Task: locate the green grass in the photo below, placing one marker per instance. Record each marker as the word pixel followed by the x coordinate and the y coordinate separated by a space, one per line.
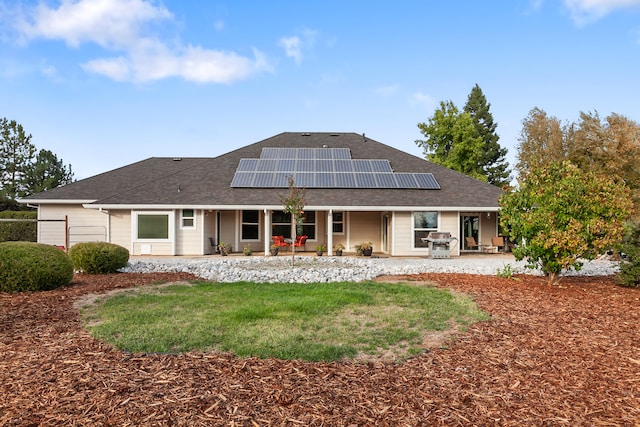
pixel 288 321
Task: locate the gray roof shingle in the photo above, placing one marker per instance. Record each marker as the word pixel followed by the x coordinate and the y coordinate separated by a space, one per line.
pixel 206 181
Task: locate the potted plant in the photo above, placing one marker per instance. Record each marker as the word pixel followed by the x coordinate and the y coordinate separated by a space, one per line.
pixel 247 250
pixel 274 250
pixel 366 248
pixel 338 248
pixel 225 248
pixel 320 249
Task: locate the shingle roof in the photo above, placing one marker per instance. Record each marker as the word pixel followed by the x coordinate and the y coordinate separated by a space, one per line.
pixel 206 181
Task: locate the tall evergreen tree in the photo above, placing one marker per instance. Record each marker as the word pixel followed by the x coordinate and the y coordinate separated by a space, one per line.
pixel 16 153
pixel 45 173
pixel 493 162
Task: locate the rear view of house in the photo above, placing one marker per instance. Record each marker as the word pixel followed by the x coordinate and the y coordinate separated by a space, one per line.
pixel 357 190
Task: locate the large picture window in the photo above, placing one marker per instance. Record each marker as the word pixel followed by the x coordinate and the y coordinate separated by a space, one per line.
pixel 250 225
pixel 153 226
pixel 423 223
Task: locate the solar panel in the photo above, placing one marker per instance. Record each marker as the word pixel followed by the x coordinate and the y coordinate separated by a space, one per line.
pixel 263 179
pixel 305 179
pixel 426 181
pixel 345 180
pixel 381 165
pixel 386 180
pixel 242 179
pixel 247 165
pixel 325 180
pixel 343 165
pixel 324 168
pixel 405 180
pixel 361 165
pixel 286 165
pixel 324 165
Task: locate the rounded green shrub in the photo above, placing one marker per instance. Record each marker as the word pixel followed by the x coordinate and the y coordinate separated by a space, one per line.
pixel 98 257
pixel 28 266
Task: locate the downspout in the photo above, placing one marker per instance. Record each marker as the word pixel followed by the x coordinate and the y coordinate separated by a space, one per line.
pixel 108 236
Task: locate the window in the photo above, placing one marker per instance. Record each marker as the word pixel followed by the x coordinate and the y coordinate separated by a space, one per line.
pixel 309 225
pixel 152 226
pixel 423 223
pixel 250 225
pixel 188 219
pixel 338 222
pixel 281 224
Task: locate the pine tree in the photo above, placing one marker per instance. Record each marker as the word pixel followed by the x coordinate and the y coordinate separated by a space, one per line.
pixel 16 153
pixel 493 160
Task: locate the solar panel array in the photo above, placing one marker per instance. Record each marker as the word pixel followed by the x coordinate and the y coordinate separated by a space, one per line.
pixel 324 168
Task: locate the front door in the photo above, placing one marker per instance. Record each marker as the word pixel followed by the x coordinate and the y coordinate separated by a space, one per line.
pixel 470 228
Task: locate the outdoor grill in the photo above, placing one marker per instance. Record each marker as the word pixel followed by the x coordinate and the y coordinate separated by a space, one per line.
pixel 439 244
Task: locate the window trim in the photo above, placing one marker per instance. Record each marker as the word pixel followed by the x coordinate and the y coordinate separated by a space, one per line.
pixel 334 222
pixel 171 225
pixel 183 217
pixel 258 224
pixel 414 229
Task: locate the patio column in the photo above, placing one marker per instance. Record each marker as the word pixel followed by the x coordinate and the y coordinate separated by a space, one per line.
pixel 267 232
pixel 330 232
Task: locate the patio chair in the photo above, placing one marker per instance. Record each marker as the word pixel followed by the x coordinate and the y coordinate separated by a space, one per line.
pixel 279 242
pixel 498 242
pixel 471 243
pixel 300 241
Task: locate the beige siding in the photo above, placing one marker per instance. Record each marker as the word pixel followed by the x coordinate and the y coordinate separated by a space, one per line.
pixel 120 227
pixel 85 225
pixel 228 229
pixel 188 240
pixel 402 238
pixel 365 227
pixel 153 248
pixel 488 228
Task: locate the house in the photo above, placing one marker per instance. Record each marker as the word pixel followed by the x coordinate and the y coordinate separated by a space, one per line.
pixel 357 190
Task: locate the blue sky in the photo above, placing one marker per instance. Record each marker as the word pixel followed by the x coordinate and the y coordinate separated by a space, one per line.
pixel 105 83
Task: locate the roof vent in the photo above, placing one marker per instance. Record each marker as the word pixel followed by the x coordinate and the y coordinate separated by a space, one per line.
pixel 325 146
pixel 177 159
pixel 306 134
pixel 335 134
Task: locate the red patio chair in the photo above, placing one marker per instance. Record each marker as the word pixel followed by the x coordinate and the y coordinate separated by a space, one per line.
pixel 300 241
pixel 279 242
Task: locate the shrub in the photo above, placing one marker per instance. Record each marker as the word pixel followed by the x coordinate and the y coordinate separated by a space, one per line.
pixel 20 230
pixel 629 274
pixel 98 257
pixel 28 266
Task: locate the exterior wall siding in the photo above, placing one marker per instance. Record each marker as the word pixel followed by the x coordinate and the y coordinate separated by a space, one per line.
pixel 85 225
pixel 365 227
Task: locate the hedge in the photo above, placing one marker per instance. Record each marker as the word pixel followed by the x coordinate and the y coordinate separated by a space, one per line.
pixel 98 257
pixel 18 231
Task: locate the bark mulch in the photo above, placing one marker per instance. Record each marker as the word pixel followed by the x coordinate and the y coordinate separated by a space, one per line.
pixel 549 356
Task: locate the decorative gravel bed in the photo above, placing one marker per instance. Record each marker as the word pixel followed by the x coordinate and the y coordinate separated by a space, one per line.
pixel 311 269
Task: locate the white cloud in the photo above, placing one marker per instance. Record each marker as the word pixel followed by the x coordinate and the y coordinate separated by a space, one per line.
pixel 586 11
pixel 295 45
pixel 292 47
pixel 123 26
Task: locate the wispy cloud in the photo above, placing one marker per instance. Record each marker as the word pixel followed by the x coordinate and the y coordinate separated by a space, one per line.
pixel 125 28
pixel 419 98
pixel 294 46
pixel 387 90
pixel 587 11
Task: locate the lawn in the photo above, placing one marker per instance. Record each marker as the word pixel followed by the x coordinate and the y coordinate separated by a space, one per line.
pixel 313 322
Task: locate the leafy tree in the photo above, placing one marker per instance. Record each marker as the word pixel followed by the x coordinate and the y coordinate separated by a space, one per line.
pixel 629 249
pixel 293 204
pixel 16 153
pixel 495 166
pixel 45 173
pixel 453 141
pixel 610 146
pixel 561 214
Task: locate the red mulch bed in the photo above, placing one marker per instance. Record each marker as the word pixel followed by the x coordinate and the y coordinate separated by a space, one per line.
pixel 549 356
